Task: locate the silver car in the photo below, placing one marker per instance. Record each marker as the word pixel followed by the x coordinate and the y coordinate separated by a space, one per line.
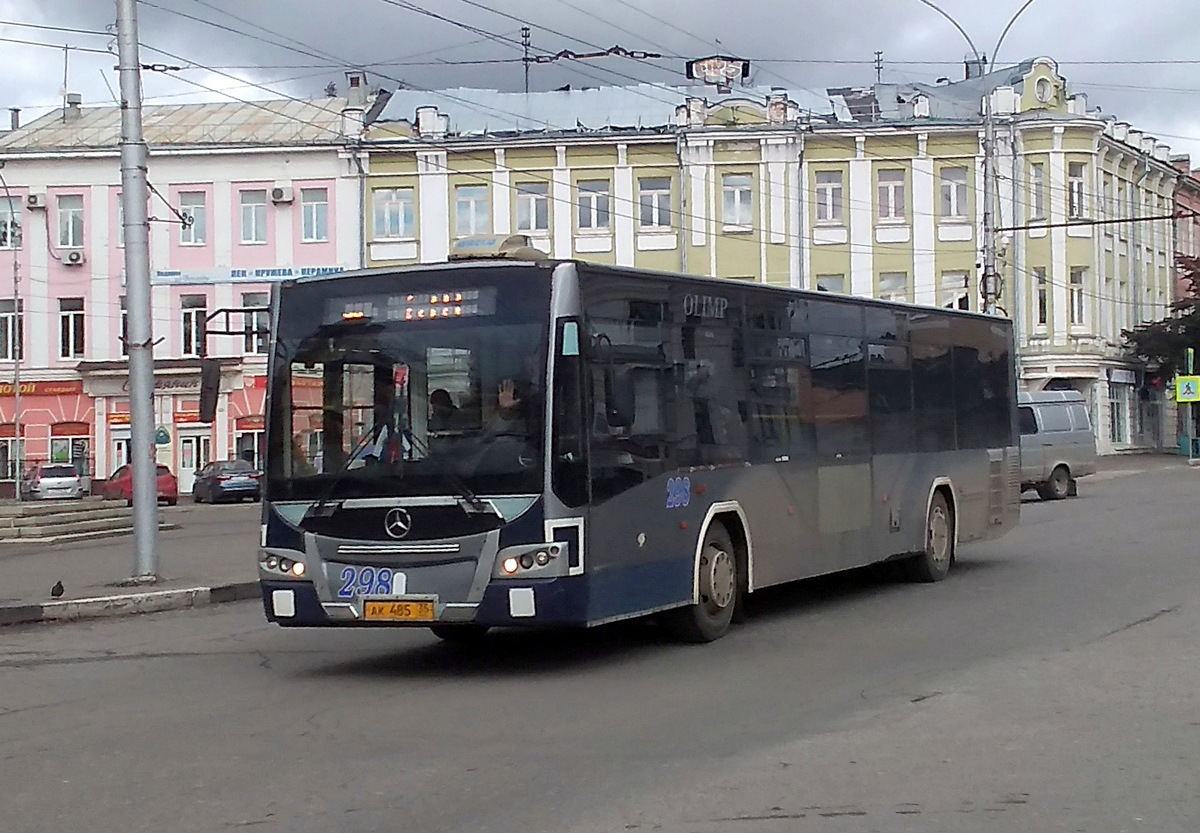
pixel 53 480
pixel 1057 443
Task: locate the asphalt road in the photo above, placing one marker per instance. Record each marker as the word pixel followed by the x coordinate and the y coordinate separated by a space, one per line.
pixel 1049 684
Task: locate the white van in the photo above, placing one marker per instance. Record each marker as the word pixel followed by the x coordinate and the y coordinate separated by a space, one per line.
pixel 1057 443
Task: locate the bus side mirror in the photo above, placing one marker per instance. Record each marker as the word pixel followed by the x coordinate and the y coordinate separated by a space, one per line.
pixel 210 388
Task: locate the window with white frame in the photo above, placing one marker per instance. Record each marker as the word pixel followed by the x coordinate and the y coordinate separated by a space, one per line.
pixel 394 215
pixel 1106 201
pixel 954 193
pixel 70 221
pixel 314 214
pixel 654 203
pixel 829 196
pixel 593 205
pixel 10 224
pixel 533 206
pixel 891 195
pixel 255 323
pixel 1076 172
pixel 192 206
pixel 1078 279
pixel 893 286
pixel 956 290
pixel 8 458
pixel 1039 279
pixel 1037 191
pixel 254 216
pixel 12 329
pixel 70 328
pixel 1122 209
pixel 831 283
pixel 120 222
pixel 471 214
pixel 124 327
pixel 194 309
pixel 737 201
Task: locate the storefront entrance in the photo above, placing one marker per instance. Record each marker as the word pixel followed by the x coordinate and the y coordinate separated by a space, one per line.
pixel 195 452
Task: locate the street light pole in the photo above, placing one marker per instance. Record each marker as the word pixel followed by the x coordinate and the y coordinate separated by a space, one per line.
pixel 16 341
pixel 137 280
pixel 991 288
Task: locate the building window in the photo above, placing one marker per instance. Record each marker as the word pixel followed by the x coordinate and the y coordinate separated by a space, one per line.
pixel 829 196
pixel 192 207
pixel 533 206
pixel 956 290
pixel 12 329
pixel 1039 277
pixel 8 458
pixel 124 328
pixel 10 224
pixel 1078 274
pixel 1118 406
pixel 120 222
pixel 891 196
pixel 1037 190
pixel 1075 191
pixel 593 205
pixel 314 213
pixel 255 323
pixel 831 283
pixel 394 217
pixel 471 214
pixel 254 216
pixel 737 202
pixel 654 203
pixel 1106 202
pixel 1122 209
pixel 954 193
pixel 70 327
pixel 70 221
pixel 195 310
pixel 893 286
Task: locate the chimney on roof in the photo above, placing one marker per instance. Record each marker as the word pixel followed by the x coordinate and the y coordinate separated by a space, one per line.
pixel 73 111
pixel 1182 163
pixel 14 118
pixel 974 66
pixel 356 88
pixel 431 124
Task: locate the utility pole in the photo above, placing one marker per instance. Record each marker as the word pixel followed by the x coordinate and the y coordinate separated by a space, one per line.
pixel 16 337
pixel 878 67
pixel 525 60
pixel 137 289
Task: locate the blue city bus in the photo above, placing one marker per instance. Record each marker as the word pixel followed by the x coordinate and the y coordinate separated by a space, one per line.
pixel 506 439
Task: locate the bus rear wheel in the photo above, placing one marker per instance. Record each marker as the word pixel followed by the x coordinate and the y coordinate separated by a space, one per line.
pixel 709 619
pixel 934 563
pixel 460 634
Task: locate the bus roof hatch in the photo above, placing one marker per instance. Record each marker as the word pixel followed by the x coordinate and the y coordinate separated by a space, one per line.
pixel 491 246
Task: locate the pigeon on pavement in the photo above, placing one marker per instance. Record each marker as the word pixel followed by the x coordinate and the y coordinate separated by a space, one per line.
pixel 57 590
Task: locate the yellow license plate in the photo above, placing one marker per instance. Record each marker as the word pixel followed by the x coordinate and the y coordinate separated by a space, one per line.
pixel 392 611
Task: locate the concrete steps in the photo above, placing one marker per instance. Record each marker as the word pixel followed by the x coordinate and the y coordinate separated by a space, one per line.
pixel 68 520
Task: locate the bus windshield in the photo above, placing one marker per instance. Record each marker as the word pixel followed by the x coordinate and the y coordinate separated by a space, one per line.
pixel 434 390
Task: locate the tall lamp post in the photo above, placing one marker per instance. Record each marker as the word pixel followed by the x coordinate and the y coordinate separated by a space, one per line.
pixel 16 342
pixel 990 278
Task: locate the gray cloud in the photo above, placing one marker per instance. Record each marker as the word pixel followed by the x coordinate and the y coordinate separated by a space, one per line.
pixel 1161 99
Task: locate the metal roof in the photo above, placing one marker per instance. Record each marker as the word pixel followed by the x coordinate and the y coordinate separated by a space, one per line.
pixel 644 106
pixel 273 122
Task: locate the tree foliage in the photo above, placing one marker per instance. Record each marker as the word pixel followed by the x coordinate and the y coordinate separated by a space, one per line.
pixel 1163 344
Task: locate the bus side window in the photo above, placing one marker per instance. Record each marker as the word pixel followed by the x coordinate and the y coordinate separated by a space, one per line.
pixel 1027 421
pixel 889 380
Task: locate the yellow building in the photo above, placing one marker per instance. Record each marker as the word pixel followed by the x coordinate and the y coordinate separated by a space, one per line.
pixel 871 191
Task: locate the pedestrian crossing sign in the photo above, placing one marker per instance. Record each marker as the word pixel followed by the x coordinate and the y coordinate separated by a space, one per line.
pixel 1187 389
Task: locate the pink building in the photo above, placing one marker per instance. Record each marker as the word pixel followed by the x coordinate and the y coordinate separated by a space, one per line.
pixel 270 190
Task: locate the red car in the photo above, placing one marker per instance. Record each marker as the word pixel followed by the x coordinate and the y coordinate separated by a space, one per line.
pixel 120 486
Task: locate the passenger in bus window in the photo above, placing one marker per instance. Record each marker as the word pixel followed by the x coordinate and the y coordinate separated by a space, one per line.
pixel 443 415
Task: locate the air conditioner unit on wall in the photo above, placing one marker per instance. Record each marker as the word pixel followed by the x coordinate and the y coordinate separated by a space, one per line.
pixel 281 194
pixel 74 258
pixel 35 200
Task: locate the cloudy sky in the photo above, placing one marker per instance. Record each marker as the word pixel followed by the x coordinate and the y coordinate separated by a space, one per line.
pixel 1137 61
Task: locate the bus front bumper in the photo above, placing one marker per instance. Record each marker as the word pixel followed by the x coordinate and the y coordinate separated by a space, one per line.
pixel 538 602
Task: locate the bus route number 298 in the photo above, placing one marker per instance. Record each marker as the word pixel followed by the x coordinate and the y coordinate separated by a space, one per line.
pixel 679 492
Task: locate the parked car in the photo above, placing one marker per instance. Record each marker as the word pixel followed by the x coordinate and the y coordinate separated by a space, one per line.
pixel 52 480
pixel 120 486
pixel 227 480
pixel 1057 443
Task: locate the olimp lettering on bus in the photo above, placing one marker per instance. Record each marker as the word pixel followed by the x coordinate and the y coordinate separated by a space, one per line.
pixel 705 306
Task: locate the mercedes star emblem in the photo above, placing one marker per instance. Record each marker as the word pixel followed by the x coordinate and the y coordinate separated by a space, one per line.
pixel 397 522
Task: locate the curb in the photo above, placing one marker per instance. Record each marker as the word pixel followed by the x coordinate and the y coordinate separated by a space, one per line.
pixel 93 535
pixel 126 604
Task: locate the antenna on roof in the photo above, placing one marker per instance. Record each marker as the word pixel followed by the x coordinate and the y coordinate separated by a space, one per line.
pixel 878 66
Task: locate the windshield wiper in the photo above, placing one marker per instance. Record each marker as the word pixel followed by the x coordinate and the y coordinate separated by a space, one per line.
pixel 345 467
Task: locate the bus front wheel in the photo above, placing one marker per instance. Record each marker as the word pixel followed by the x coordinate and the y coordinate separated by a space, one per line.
pixel 709 618
pixel 934 562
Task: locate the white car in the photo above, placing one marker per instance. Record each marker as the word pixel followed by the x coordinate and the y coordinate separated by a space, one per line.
pixel 52 480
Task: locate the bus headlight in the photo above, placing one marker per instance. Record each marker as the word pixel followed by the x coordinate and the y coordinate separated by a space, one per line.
pixel 298 569
pixel 510 565
pixel 543 558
